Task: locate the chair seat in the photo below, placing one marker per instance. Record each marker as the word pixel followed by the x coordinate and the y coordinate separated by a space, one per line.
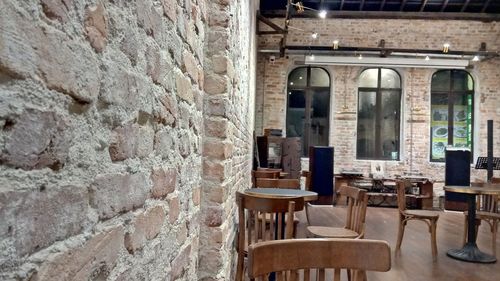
pixel 422 214
pixel 486 215
pixel 331 232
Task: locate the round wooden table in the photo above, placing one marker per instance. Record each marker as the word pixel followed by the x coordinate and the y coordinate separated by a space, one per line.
pixel 470 252
pixel 283 192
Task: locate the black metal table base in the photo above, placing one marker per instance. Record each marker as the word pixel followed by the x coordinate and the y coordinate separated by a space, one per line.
pixel 471 253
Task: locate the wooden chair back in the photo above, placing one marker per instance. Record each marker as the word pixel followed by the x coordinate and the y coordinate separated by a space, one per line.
pixel 357 202
pixel 401 186
pixel 277 183
pixel 263 219
pixel 265 174
pixel 487 203
pixel 301 258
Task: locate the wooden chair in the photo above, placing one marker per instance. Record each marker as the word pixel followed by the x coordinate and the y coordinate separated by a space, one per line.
pixel 277 183
pixel 318 257
pixel 252 210
pixel 487 210
pixel 266 174
pixel 429 217
pixel 354 228
pixel 307 176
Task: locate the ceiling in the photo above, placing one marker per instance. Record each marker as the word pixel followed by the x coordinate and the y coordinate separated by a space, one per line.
pixel 486 10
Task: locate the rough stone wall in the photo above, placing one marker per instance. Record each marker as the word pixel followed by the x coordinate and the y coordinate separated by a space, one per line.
pixel 227 142
pixel 101 126
pixel 415 149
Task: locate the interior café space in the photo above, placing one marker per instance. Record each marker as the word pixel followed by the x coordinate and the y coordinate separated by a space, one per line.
pixel 219 140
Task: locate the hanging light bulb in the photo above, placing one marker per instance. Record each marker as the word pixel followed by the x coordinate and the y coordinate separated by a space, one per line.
pixel 322 14
pixel 335 44
pixel 446 47
pixel 314 35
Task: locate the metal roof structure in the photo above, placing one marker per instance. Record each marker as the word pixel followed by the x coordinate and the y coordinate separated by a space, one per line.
pixel 484 10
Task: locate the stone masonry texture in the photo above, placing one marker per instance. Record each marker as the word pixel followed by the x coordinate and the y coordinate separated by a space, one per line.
pixel 271 89
pixel 125 130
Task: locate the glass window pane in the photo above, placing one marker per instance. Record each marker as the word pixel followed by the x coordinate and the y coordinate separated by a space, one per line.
pixel 319 118
pixel 461 81
pixel 319 77
pixel 368 78
pixel 389 127
pixel 441 81
pixel 390 79
pixel 462 121
pixel 295 114
pixel 439 126
pixel 298 77
pixel 366 125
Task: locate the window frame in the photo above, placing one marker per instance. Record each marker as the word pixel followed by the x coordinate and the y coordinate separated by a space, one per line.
pixel 451 94
pixel 378 115
pixel 308 95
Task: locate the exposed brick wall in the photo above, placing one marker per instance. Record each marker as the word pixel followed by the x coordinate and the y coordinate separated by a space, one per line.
pixel 227 141
pixel 106 108
pixel 462 35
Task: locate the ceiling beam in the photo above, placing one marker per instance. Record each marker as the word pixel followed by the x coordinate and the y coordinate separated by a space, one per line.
pixel 445 3
pixel 382 5
pixel 485 6
pixel 403 4
pixel 277 28
pixel 423 6
pixel 484 17
pixel 464 7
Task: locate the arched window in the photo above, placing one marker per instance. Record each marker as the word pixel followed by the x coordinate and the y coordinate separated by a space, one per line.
pixel 379 110
pixel 452 103
pixel 308 106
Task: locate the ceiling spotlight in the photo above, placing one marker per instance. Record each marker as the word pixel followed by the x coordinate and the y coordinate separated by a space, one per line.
pixel 360 56
pixel 335 44
pixel 311 57
pixel 314 35
pixel 475 58
pixel 446 47
pixel 322 14
pixel 427 58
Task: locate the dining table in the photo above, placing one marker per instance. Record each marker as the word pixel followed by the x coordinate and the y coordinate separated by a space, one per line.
pixel 470 252
pixel 283 192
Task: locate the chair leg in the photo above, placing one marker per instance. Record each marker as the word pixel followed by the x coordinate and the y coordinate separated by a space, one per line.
pixel 239 267
pixel 464 237
pixel 401 232
pixel 433 239
pixel 494 237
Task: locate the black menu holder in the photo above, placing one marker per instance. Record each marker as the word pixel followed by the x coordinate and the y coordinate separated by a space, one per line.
pixel 457 172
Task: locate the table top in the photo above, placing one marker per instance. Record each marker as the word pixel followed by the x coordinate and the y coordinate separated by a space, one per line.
pixel 483 188
pixel 283 192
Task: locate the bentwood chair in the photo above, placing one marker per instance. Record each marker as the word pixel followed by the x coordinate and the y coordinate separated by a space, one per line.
pixel 429 217
pixel 266 174
pixel 318 259
pixel 277 183
pixel 357 201
pixel 252 211
pixel 487 211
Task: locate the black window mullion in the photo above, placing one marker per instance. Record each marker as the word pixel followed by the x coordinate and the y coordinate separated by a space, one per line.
pixel 451 103
pixel 378 117
pixel 307 121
